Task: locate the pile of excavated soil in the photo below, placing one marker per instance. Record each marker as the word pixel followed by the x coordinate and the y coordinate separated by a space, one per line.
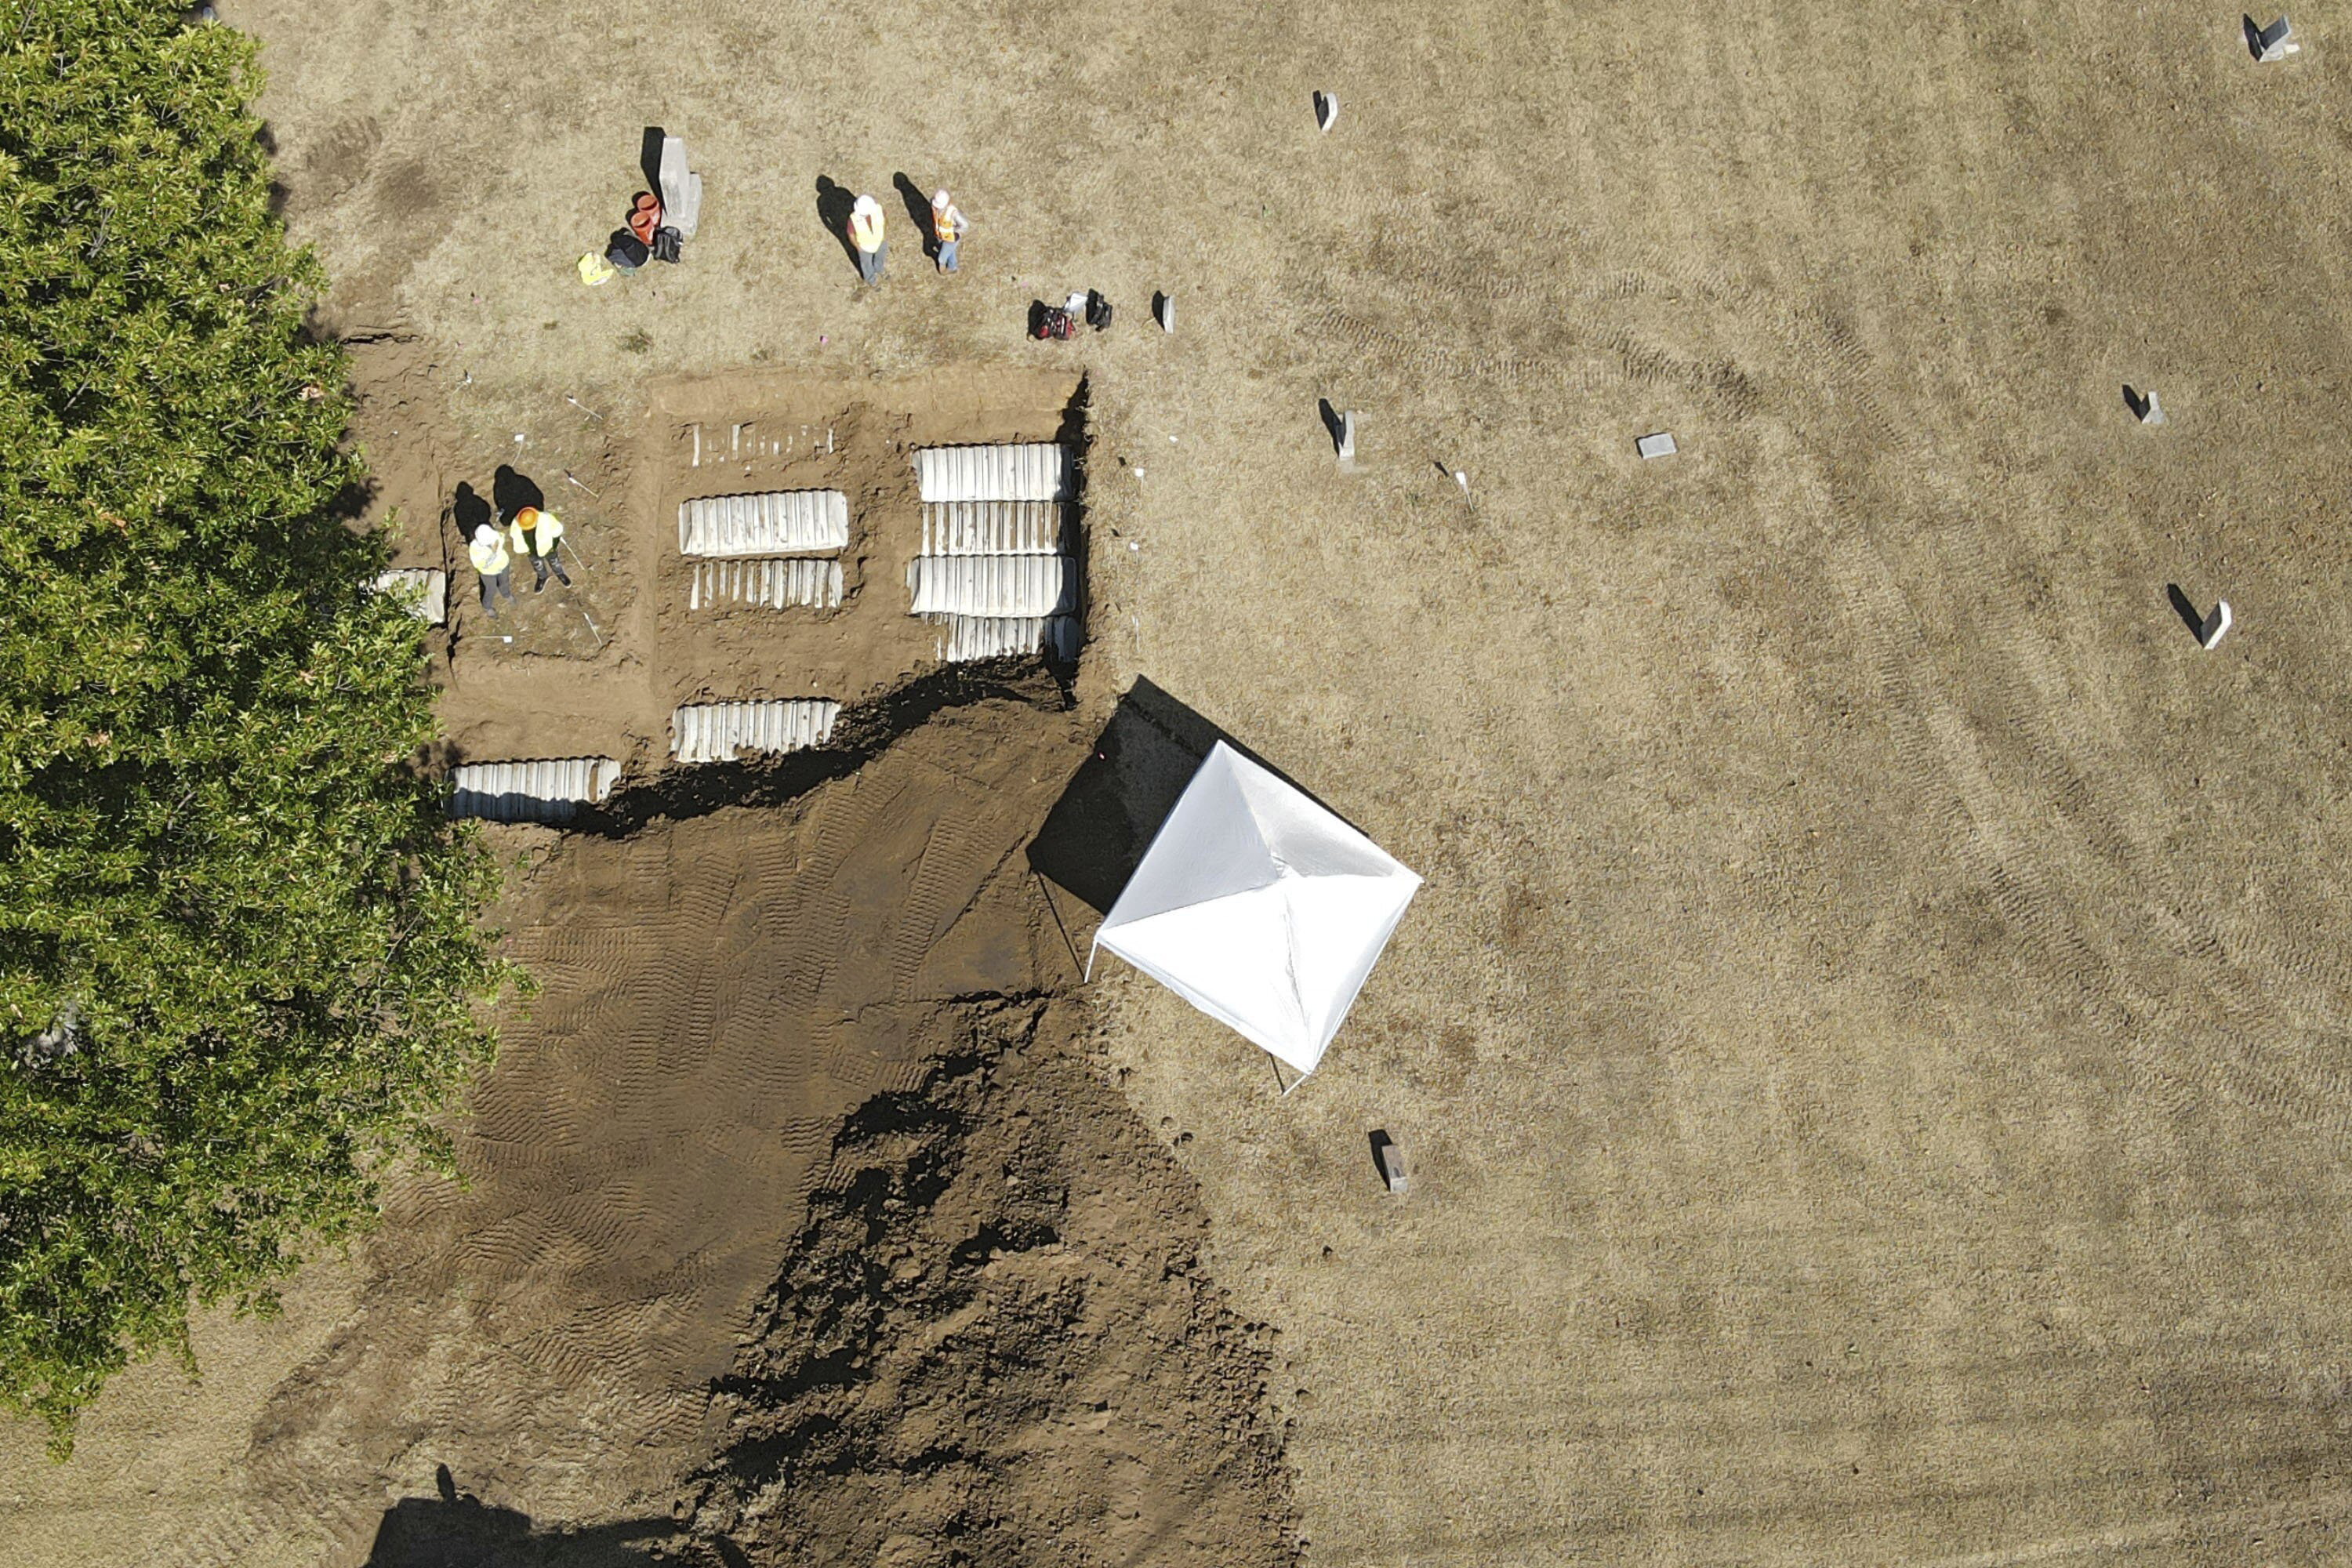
pixel 995 1342
pixel 725 971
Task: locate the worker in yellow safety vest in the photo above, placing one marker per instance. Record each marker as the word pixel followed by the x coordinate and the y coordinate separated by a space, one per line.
pixel 534 533
pixel 947 228
pixel 490 561
pixel 866 234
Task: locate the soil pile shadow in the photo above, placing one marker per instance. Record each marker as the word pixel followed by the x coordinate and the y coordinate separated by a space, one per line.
pixel 994 1342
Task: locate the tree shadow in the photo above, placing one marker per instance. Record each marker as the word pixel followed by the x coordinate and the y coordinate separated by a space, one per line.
pixel 458 1530
pixel 2190 615
pixel 834 205
pixel 919 213
pixel 1114 805
pixel 511 491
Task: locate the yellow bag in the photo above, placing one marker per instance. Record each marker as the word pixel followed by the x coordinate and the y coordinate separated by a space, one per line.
pixel 595 270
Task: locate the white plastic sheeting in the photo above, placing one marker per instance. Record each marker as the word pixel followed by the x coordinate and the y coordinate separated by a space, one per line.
pixel 551 791
pixel 715 731
pixel 1000 637
pixel 1260 908
pixel 993 528
pixel 804 580
pixel 1038 470
pixel 681 189
pixel 776 522
pixel 992 585
pixel 426 590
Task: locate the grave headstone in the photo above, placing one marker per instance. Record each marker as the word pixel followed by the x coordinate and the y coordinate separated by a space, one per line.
pixel 1658 443
pixel 1326 110
pixel 2272 42
pixel 1346 438
pixel 2217 625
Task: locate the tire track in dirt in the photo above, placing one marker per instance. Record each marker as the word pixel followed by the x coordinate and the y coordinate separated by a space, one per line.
pixel 955 867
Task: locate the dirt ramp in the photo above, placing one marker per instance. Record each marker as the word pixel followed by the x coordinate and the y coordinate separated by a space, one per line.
pixel 717 991
pixel 994 1343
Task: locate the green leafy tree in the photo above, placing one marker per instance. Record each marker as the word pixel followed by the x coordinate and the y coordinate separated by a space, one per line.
pixel 241 965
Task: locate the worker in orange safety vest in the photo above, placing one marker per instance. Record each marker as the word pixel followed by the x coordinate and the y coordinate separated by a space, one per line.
pixel 534 533
pixel 866 234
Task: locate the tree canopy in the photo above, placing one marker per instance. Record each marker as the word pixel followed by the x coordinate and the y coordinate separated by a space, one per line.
pixel 241 963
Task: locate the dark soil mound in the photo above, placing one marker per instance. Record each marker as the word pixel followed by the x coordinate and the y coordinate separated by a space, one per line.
pixel 993 1343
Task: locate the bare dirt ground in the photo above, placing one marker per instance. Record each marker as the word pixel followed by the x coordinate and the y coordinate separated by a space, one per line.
pixel 1874 1043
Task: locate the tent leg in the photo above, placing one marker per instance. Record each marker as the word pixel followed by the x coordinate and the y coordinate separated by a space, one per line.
pixel 1272 1061
pixel 1047 893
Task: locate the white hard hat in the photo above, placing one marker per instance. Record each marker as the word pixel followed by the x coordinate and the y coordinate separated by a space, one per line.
pixel 485 534
pixel 867 205
pixel 938 198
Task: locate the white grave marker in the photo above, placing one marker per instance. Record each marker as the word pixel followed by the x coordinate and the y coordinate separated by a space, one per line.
pixel 1167 313
pixel 2216 626
pixel 2271 43
pixel 1347 436
pixel 1656 445
pixel 1327 110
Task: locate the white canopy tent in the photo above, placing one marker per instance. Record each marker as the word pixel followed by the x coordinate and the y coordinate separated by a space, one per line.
pixel 1260 908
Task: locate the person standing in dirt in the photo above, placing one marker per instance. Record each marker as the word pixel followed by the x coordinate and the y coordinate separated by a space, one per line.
pixel 490 562
pixel 948 225
pixel 535 533
pixel 866 234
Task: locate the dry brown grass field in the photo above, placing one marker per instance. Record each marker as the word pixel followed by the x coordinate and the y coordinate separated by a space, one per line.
pixel 1876 1042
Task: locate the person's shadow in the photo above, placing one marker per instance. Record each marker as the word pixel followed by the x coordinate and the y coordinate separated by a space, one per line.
pixel 834 205
pixel 468 511
pixel 511 491
pixel 919 213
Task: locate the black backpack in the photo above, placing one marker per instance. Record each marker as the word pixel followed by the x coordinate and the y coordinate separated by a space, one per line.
pixel 1097 310
pixel 625 251
pixel 667 243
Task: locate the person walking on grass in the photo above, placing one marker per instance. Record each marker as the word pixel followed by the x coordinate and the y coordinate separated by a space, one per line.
pixel 948 225
pixel 866 234
pixel 491 560
pixel 534 533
